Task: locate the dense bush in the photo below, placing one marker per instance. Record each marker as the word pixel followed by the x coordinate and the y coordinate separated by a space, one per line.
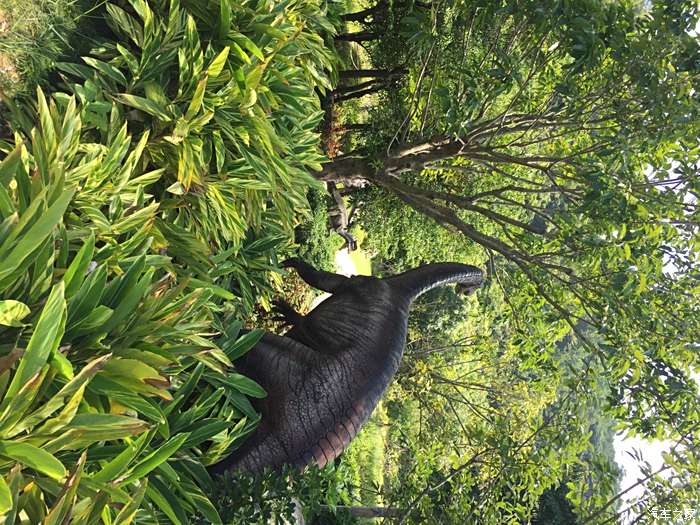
pixel 317 243
pixel 140 208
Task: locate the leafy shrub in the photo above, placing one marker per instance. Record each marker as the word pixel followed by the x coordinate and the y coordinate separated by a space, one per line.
pixel 274 497
pixel 165 177
pixel 226 113
pixel 107 363
pixel 317 243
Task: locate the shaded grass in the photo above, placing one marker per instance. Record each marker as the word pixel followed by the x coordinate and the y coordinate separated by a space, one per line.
pixel 33 33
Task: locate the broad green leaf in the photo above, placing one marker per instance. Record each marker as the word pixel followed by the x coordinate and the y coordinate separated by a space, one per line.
pixel 158 456
pixel 65 416
pixel 35 236
pixel 183 393
pixel 89 295
pixel 9 164
pixel 70 388
pixel 108 70
pixel 197 98
pixel 235 349
pixel 130 368
pixel 164 499
pixel 176 188
pixel 248 44
pixel 48 130
pixel 201 502
pixel 245 385
pixel 64 506
pixel 129 302
pixel 78 268
pixel 216 290
pixel 224 25
pixel 33 457
pixel 5 496
pixel 217 65
pixel 86 429
pixel 206 429
pixel 145 105
pixel 249 99
pixel 62 366
pixel 121 462
pixel 12 312
pixel 45 339
pixel 94 321
pixel 128 512
pixel 14 407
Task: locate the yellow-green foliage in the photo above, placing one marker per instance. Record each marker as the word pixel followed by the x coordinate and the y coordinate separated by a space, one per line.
pixel 130 206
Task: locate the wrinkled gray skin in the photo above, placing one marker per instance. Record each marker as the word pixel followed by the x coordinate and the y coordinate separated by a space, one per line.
pixel 326 375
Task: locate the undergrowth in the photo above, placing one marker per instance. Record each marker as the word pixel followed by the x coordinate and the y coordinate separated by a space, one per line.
pixel 144 196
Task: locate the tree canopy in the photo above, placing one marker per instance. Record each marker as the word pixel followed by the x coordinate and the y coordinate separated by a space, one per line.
pixel 560 138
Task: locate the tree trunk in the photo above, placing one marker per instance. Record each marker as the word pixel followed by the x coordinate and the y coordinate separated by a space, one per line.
pixel 344 90
pixel 367 512
pixel 361 16
pixel 361 36
pixel 359 94
pixel 371 73
pixel 344 128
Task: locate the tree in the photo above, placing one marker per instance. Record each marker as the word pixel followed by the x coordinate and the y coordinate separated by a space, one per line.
pixel 548 170
pixel 556 140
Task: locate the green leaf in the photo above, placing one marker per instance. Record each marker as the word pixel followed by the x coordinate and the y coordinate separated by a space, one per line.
pixel 176 188
pixel 65 416
pixel 197 98
pixel 120 463
pixel 205 429
pixel 217 65
pixel 220 150
pixel 94 321
pixel 78 268
pixel 128 303
pixel 9 164
pixel 64 506
pixel 12 312
pixel 249 99
pixel 201 502
pixel 166 502
pixel 107 69
pixel 145 105
pixel 128 512
pixel 158 456
pixel 35 236
pixel 13 407
pixel 235 349
pixel 86 429
pixel 33 457
pixel 44 341
pixel 5 496
pixel 224 19
pixel 248 44
pixel 245 385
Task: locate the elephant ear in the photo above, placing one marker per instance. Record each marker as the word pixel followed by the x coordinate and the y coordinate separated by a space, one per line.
pixel 277 362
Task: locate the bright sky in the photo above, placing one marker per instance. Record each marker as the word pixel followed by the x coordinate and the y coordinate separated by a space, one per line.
pixel 651 452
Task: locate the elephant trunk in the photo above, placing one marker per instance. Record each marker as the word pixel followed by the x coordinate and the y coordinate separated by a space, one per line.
pixel 413 283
